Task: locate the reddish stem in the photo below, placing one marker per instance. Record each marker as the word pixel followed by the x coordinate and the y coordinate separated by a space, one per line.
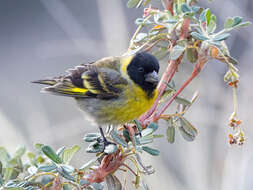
pixel 201 61
pixel 168 4
pixel 167 76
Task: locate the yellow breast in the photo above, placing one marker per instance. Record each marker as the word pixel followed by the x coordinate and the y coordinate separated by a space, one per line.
pixel 132 104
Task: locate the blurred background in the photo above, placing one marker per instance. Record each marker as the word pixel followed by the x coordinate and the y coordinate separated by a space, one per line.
pixel 43 38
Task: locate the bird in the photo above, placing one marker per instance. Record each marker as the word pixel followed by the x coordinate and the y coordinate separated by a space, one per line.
pixel 112 90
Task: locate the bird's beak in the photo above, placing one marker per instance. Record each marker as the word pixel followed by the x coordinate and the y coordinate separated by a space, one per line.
pixel 152 78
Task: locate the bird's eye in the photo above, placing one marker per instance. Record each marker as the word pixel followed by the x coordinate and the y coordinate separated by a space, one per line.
pixel 140 69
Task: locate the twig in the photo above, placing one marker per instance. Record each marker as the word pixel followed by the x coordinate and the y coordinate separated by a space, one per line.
pixel 197 68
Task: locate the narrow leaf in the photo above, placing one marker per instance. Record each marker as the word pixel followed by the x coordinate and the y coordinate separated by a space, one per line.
pixel 88 164
pixel 60 151
pixel 4 156
pixel 118 139
pixel 153 152
pixel 132 3
pixel 176 52
pixel 183 101
pixel 185 8
pixel 237 20
pixel 170 132
pixel 49 152
pixel 153 126
pixel 187 130
pixel 138 125
pixel 192 55
pixel 221 37
pixel 47 168
pixel 19 152
pixel 65 174
pixel 146 132
pixel 94 147
pixel 199 36
pixel 91 137
pixel 68 154
pixel 229 23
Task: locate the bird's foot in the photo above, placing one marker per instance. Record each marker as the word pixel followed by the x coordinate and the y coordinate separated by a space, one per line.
pixel 108 147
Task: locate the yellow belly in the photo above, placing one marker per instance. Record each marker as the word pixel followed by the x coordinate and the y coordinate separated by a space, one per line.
pixel 132 104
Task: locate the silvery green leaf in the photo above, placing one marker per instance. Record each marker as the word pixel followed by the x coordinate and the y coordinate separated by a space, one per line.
pixel 199 36
pixel 65 173
pixel 4 156
pixel 83 182
pixel 153 126
pixel 137 180
pixel 141 21
pixel 60 151
pixel 113 182
pixel 183 101
pixel 176 52
pixel 185 8
pixel 208 17
pixel 192 55
pixel 38 146
pixel 10 184
pixel 126 135
pixel 30 188
pixel 1 180
pixel 221 37
pixel 47 168
pixel 138 125
pixel 157 136
pixel 1 167
pixel 140 36
pixel 22 184
pixel 132 3
pixel 97 186
pixel 110 148
pixel 68 154
pixel 136 141
pixel 237 20
pixel 16 188
pixel 151 151
pixel 146 140
pixel 50 153
pixel 19 152
pixel 16 162
pixel 118 139
pixel 243 24
pixel 170 132
pixel 67 168
pixel 146 132
pixel 203 16
pixel 91 137
pixel 31 156
pixel 87 165
pixel 8 174
pixel 32 170
pixel 229 23
pixel 187 130
pixel 232 60
pixel 146 2
pixel 94 147
pixel 212 24
pixel 161 53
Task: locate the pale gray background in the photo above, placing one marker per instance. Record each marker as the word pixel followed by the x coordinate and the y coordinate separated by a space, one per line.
pixel 40 38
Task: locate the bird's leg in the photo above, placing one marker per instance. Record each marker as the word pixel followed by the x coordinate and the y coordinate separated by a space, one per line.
pixel 103 135
pixel 104 140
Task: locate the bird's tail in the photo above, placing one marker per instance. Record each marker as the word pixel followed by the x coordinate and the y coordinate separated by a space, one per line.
pixel 62 87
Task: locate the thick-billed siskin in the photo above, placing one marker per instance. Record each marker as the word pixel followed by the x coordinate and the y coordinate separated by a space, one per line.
pixel 112 90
